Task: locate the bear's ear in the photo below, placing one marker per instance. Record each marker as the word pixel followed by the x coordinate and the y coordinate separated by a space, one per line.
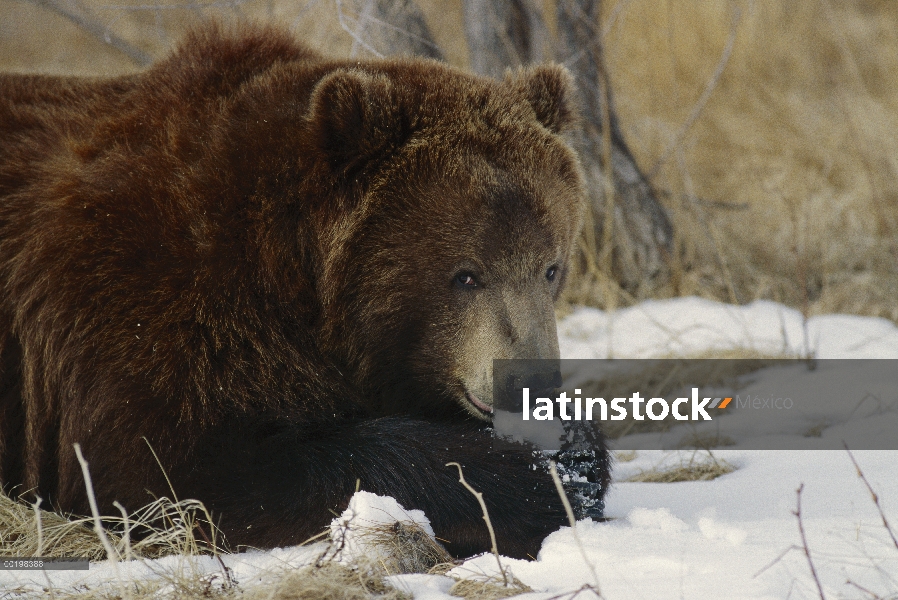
pixel 353 118
pixel 550 91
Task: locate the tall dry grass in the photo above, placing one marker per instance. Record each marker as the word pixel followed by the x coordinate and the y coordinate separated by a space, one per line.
pixel 779 165
pixel 798 139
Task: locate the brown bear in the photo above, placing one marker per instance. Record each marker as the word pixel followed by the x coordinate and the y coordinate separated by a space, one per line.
pixel 288 275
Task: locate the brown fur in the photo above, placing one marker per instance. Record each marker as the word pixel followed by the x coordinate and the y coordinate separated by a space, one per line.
pixel 249 255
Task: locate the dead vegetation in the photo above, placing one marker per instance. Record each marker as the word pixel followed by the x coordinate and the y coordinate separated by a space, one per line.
pixel 168 528
pixel 400 548
pixel 328 580
pixel 491 589
pixel 165 528
pixel 696 468
pixel 784 185
pixel 407 547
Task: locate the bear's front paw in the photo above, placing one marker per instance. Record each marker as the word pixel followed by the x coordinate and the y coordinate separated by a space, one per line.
pixel 584 490
pixel 584 465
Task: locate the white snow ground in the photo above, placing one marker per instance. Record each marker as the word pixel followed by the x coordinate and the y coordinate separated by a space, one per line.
pixel 733 537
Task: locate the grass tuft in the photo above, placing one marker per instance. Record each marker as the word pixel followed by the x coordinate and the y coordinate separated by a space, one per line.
pixel 60 537
pixel 488 589
pixel 692 470
pixel 407 548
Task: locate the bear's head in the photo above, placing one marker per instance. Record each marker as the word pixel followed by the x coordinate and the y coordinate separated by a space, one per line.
pixel 455 208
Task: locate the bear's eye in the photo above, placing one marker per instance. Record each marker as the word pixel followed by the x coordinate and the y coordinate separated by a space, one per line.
pixel 465 280
pixel 551 272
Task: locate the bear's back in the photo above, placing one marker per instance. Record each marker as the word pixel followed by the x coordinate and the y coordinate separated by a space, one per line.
pixel 43 115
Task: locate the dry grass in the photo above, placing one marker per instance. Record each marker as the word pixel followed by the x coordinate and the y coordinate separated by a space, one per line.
pixel 695 469
pixel 399 547
pixel 490 589
pixel 166 528
pixel 407 547
pixel 329 580
pixel 800 131
pixel 60 536
pixel 324 582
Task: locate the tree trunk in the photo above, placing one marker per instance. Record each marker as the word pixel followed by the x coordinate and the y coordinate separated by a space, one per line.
pixel 394 27
pixel 642 233
pixel 504 34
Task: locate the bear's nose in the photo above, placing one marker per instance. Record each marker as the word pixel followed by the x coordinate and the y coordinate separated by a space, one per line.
pixel 529 325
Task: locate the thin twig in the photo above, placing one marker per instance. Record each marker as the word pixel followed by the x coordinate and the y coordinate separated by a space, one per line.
pixel 98 30
pixel 315 537
pixel 486 517
pixel 309 6
pixel 230 580
pixel 126 537
pixel 703 99
pixel 607 253
pixel 345 27
pixel 111 554
pixel 777 559
pixel 361 23
pixel 39 526
pixel 863 589
pixel 804 543
pixel 611 21
pixel 882 515
pixel 38 523
pixel 570 517
pixel 571 595
pixel 161 468
pixel 709 226
pixel 405 32
pixel 95 512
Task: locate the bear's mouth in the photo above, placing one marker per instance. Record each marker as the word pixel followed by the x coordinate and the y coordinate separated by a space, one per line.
pixel 486 409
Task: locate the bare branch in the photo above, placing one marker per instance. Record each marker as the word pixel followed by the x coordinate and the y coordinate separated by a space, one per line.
pixel 627 229
pixel 503 34
pixel 776 560
pixel 98 30
pixel 486 517
pixel 804 543
pixel 703 99
pixel 111 554
pixel 357 40
pixel 863 589
pixel 882 515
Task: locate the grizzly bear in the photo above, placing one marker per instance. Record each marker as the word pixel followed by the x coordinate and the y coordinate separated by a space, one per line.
pixel 288 276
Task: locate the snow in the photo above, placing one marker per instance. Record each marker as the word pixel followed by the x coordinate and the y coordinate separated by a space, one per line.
pixel 685 326
pixel 711 539
pixel 734 537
